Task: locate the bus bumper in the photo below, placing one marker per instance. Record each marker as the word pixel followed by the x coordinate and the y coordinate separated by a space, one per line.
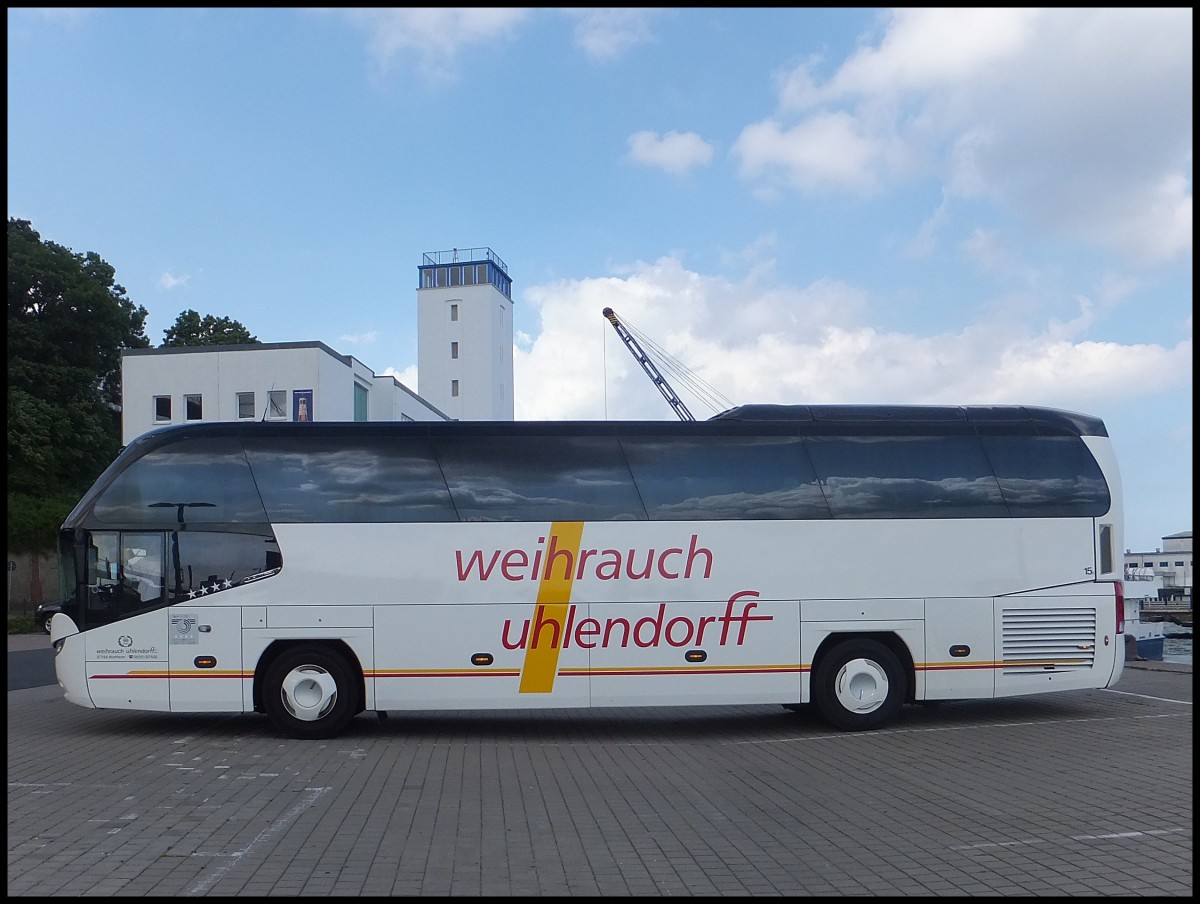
pixel 70 667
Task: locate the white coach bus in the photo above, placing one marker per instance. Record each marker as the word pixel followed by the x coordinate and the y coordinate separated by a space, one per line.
pixel 853 557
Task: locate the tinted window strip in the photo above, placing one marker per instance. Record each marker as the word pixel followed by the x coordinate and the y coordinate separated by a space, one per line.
pixel 668 478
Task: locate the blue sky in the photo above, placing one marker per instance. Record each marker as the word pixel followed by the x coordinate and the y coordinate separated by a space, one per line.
pixel 800 205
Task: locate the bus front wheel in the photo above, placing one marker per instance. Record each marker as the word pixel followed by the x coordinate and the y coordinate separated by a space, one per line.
pixel 309 693
pixel 858 685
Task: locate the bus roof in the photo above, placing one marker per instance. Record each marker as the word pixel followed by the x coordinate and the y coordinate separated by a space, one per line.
pixel 1054 419
pixel 744 419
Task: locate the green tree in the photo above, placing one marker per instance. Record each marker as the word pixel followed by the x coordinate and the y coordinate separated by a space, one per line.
pixel 190 329
pixel 68 321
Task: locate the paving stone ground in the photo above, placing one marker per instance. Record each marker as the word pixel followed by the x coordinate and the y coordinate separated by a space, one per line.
pixel 1079 794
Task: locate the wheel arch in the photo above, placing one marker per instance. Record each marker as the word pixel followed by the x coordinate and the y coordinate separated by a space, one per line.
pixel 889 639
pixel 278 647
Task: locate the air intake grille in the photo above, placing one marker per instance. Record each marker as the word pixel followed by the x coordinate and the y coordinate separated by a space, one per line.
pixel 1048 640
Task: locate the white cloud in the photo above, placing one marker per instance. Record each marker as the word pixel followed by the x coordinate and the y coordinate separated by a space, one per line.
pixel 431 39
pixel 931 49
pixel 756 343
pixel 827 151
pixel 607 33
pixel 1077 121
pixel 170 281
pixel 407 375
pixel 367 338
pixel 65 15
pixel 675 152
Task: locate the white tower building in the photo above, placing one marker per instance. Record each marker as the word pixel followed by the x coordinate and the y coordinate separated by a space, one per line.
pixel 465 334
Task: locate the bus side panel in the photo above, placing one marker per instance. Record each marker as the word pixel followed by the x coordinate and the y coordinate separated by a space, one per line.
pixel 742 650
pixel 256 641
pixel 1055 641
pixel 960 649
pixel 825 618
pixel 481 656
pixel 197 631
pixel 126 663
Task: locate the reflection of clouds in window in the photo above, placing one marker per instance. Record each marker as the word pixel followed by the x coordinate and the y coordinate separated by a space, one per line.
pixel 797 503
pixel 540 479
pixel 724 478
pixel 486 499
pixel 213 472
pixel 1048 475
pixel 914 497
pixel 1050 496
pixel 326 481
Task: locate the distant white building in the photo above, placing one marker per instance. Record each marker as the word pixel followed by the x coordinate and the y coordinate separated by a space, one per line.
pixel 465 334
pixel 288 381
pixel 1172 562
pixel 464 362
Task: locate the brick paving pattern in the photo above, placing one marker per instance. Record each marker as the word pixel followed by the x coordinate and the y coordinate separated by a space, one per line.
pixel 1078 794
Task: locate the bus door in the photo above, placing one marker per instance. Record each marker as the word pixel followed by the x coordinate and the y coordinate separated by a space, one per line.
pixel 204 637
pixel 204 644
pixel 739 650
pixel 126 647
pixel 960 647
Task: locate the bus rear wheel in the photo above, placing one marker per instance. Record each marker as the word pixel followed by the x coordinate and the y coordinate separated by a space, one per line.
pixel 858 685
pixel 309 692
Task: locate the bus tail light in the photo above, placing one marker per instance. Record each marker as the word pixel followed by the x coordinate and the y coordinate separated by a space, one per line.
pixel 1120 590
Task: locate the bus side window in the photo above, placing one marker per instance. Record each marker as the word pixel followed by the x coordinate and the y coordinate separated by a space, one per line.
pixel 142 571
pixel 212 561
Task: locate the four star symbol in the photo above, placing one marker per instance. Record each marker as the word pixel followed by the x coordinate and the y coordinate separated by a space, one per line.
pixel 216 587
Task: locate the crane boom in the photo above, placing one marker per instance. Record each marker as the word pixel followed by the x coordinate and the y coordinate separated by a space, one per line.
pixel 648 366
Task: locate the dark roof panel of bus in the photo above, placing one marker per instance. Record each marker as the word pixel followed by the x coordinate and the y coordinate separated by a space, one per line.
pixel 772 419
pixel 1050 420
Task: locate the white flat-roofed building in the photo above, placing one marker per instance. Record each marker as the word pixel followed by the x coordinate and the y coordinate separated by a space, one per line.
pixel 464 364
pixel 290 381
pixel 1172 562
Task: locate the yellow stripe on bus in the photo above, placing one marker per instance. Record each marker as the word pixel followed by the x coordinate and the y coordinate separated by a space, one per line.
pixel 554 595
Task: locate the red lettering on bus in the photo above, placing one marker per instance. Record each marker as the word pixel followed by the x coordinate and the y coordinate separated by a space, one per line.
pixel 540 623
pixel 541 563
pixel 647 632
pixel 587 628
pixel 655 622
pixel 513 559
pixel 662 568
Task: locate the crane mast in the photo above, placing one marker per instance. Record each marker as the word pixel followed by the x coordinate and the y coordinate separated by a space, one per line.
pixel 648 366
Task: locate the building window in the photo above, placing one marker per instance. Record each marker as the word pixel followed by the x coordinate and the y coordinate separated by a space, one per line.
pixel 277 403
pixel 162 408
pixel 453 349
pixel 454 388
pixel 245 402
pixel 1179 564
pixel 193 405
pixel 1162 564
pixel 453 312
